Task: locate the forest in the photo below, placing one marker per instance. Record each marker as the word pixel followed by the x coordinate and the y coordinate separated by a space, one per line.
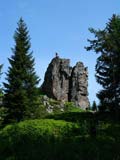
pixel 29 132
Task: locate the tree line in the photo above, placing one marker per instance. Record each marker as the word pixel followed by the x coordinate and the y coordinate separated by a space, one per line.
pixel 20 90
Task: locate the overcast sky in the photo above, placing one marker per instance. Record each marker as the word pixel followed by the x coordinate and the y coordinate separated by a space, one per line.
pixel 56 26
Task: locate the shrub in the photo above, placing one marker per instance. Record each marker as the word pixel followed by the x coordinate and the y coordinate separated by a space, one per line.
pixel 70 107
pixel 58 140
pixel 33 136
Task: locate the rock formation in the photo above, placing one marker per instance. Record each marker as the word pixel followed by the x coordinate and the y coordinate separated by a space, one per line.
pixel 56 82
pixel 78 86
pixel 65 83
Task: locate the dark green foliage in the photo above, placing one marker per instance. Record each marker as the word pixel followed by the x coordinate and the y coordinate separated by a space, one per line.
pixel 35 139
pixel 3 111
pixel 20 89
pixel 3 114
pixel 1 69
pixel 0 84
pixel 77 117
pixel 94 106
pixel 107 43
pixel 40 112
pixel 58 140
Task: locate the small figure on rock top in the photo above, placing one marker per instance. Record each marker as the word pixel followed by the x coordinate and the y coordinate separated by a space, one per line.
pixel 56 55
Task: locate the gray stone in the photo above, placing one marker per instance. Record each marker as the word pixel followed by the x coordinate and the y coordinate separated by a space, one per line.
pixel 79 85
pixel 64 83
pixel 56 82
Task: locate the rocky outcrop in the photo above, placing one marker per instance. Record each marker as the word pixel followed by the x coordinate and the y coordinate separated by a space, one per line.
pixel 79 85
pixel 52 105
pixel 65 83
pixel 56 81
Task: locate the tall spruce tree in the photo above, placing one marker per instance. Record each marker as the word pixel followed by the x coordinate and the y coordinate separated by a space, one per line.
pixel 107 44
pixel 21 87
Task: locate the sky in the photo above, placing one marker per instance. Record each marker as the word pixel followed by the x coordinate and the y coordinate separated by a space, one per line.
pixel 56 26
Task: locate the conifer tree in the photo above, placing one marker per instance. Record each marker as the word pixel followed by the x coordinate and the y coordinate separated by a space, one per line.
pixel 0 70
pixel 0 85
pixel 94 106
pixel 21 86
pixel 107 44
pixel 2 110
pixel 0 73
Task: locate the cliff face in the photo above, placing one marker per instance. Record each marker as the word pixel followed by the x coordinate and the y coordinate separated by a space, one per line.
pixel 79 85
pixel 65 83
pixel 56 81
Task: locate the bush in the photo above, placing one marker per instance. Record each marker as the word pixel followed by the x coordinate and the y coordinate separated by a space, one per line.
pixel 70 107
pixel 58 140
pixel 34 137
